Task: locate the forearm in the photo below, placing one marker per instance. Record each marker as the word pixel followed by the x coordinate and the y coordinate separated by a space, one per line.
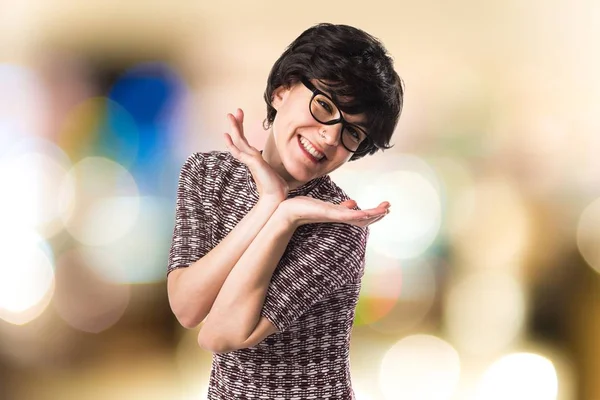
pixel 237 309
pixel 195 289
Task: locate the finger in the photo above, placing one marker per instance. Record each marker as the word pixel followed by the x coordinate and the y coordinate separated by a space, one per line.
pixel 375 218
pixel 238 134
pixel 384 204
pixel 235 152
pixel 377 210
pixel 239 118
pixel 231 145
pixel 239 115
pixel 349 215
pixel 366 221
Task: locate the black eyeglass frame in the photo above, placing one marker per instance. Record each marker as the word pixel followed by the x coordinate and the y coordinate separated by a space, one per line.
pixel 315 91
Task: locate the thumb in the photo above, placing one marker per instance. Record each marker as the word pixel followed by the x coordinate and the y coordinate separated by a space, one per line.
pixel 348 203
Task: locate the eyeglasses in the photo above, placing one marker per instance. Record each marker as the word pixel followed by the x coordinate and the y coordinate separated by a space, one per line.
pixel 325 111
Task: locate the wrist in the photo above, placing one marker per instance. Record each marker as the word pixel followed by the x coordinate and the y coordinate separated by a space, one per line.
pixel 285 216
pixel 268 203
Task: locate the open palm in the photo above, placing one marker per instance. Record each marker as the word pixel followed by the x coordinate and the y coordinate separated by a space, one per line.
pixel 306 210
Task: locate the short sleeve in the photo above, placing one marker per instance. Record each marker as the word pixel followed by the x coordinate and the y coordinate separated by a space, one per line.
pixel 313 267
pixel 191 234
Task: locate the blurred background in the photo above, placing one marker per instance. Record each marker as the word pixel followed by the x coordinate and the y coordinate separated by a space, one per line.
pixel 481 284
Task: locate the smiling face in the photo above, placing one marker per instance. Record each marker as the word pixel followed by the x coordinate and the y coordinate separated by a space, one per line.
pixel 300 148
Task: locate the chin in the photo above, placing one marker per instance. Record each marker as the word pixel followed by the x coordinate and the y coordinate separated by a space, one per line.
pixel 298 172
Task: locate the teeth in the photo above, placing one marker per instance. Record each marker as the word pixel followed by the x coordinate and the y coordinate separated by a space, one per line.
pixel 311 149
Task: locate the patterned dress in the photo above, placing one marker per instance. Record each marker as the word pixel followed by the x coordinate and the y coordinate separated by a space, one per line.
pixel 311 298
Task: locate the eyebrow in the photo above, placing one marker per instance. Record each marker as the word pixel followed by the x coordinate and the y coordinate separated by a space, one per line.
pixel 317 84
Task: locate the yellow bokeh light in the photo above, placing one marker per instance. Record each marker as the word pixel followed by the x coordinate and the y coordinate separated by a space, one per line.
pixel 380 289
pixel 84 300
pixel 31 177
pixel 193 363
pixel 81 127
pixel 485 312
pixel 104 204
pixel 362 395
pixel 519 376
pixel 27 274
pixel 455 176
pixel 588 235
pixel 395 300
pixel 420 367
pixel 139 255
pixel 415 217
pixel 489 225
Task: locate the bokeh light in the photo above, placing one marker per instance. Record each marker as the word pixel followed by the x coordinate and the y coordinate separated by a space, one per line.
pixel 588 234
pixel 140 255
pixel 153 94
pixel 485 312
pixel 587 125
pixel 491 246
pixel 22 105
pixel 380 290
pixel 361 394
pixel 79 130
pixel 31 173
pixel 193 363
pixel 519 376
pixel 395 299
pixel 414 221
pixel 455 178
pixel 105 201
pixel 27 272
pixel 118 135
pixel 489 226
pixel 420 367
pixel 84 300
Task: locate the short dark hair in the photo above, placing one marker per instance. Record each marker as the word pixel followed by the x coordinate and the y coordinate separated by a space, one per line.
pixel 357 70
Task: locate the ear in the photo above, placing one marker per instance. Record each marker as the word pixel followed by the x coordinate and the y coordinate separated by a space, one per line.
pixel 278 97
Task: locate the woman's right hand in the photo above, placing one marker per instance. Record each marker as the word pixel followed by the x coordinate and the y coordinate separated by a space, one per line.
pixel 269 183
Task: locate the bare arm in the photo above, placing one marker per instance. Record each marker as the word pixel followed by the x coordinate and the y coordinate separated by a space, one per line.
pixel 235 319
pixel 236 311
pixel 193 290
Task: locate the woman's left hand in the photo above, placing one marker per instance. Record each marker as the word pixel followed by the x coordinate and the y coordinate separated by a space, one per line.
pixel 303 210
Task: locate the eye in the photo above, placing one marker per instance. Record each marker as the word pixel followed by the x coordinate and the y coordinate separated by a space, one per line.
pixel 325 105
pixel 356 135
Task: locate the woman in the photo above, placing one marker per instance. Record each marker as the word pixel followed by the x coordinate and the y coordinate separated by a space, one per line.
pixel 267 250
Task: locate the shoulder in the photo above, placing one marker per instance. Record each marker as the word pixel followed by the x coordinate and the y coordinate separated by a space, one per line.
pixel 328 190
pixel 209 159
pixel 203 164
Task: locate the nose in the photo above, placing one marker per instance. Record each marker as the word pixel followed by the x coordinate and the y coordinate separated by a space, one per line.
pixel 330 134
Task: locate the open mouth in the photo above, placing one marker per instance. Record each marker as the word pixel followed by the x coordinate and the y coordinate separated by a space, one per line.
pixel 313 154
